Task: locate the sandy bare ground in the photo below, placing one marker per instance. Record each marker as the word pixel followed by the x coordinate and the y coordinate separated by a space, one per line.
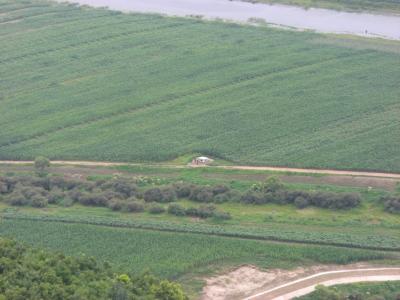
pixel 261 168
pixel 250 283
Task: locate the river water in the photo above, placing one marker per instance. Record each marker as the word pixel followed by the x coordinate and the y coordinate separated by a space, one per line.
pixel 321 20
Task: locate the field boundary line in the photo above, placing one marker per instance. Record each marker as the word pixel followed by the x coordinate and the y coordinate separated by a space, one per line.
pixel 233 167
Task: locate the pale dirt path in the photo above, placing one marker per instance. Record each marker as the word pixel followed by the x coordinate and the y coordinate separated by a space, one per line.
pixel 255 168
pixel 306 285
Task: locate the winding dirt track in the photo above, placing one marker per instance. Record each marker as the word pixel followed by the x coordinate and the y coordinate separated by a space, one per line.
pixel 306 285
pixel 261 168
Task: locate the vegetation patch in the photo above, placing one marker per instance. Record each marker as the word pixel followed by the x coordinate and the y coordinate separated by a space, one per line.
pixel 358 291
pixel 30 273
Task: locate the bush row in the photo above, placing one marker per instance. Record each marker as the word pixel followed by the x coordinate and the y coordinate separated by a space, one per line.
pixel 392 203
pixel 303 199
pixel 124 194
pixel 204 211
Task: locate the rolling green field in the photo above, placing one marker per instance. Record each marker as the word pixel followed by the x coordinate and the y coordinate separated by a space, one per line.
pixel 80 83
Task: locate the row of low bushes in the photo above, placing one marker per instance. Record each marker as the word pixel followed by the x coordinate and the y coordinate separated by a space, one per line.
pixel 204 211
pixel 116 194
pixel 124 194
pixel 303 199
pixel 392 203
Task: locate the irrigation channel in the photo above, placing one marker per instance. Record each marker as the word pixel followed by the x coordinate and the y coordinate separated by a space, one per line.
pixel 316 19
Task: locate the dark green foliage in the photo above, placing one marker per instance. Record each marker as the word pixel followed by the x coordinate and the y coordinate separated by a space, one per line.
pixel 116 204
pixel 32 274
pixel 182 190
pixel 156 209
pixel 392 203
pixel 135 206
pixel 301 202
pixel 176 209
pixel 116 193
pixel 153 194
pixel 273 191
pixel 204 211
pixel 221 215
pixel 41 165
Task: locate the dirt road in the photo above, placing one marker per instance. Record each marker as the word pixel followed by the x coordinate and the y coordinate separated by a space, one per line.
pixel 306 285
pixel 260 168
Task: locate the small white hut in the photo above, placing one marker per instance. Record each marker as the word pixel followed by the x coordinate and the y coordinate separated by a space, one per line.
pixel 202 160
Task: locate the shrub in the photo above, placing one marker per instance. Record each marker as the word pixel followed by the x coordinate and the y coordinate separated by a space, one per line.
pixel 182 190
pixel 176 209
pixel 66 202
pixel 156 209
pixel 272 185
pixel 116 204
pixel 93 199
pixel 233 195
pixel 252 197
pixel 168 194
pixel 201 194
pixel 55 196
pixel 39 201
pixel 301 202
pixel 3 188
pixel 220 189
pixel 153 194
pixel 17 199
pixel 221 198
pixel 124 187
pixel 391 203
pixel 41 165
pixel 221 215
pixel 135 206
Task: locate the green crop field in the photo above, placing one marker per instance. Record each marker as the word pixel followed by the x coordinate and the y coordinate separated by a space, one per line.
pixel 81 83
pixel 173 255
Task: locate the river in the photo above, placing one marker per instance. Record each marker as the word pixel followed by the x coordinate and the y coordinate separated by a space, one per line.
pixel 320 20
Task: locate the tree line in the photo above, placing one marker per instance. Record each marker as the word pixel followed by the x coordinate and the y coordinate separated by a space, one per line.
pixel 30 274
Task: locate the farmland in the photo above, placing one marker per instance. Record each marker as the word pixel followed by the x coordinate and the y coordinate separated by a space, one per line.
pixel 189 250
pixel 81 83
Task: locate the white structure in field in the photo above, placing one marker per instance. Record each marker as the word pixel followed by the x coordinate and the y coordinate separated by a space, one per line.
pixel 202 160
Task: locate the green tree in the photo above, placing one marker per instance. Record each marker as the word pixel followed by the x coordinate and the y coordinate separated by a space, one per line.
pixel 41 165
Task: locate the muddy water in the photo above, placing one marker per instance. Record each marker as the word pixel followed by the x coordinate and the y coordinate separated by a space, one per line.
pixel 321 20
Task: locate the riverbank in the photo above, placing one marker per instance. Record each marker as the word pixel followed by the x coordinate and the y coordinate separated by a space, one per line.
pixel 382 7
pixel 315 19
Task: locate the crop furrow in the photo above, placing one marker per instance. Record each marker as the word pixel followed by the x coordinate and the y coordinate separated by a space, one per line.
pixel 172 98
pixel 89 42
